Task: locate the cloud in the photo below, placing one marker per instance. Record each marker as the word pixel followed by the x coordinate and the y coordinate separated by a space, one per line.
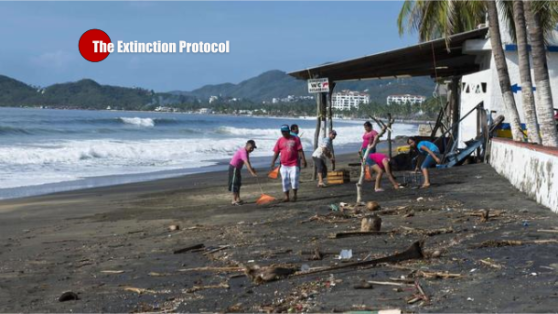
pixel 59 60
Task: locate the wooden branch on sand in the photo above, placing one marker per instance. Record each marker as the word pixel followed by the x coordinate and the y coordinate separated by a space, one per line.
pixel 346 234
pixel 428 232
pixel 413 252
pixel 190 248
pixel 502 243
pixel 222 285
pixel 214 269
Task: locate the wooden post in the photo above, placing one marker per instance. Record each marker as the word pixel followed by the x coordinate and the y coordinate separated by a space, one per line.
pixel 317 132
pixel 323 113
pixel 330 102
pixel 455 106
pixel 389 136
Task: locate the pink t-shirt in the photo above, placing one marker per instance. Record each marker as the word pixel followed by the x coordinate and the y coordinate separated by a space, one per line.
pixel 368 138
pixel 239 158
pixel 379 159
pixel 288 148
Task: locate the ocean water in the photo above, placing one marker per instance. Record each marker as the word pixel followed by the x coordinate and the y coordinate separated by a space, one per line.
pixel 44 151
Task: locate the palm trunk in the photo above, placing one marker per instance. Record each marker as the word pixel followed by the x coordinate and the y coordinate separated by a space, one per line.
pixel 542 81
pixel 529 110
pixel 503 75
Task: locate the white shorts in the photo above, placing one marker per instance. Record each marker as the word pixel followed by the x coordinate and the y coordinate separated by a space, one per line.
pixel 289 177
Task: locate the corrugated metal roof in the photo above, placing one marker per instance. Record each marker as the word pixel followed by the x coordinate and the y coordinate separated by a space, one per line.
pixel 417 60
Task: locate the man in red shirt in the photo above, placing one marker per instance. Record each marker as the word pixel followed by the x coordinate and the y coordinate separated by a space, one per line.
pixel 290 149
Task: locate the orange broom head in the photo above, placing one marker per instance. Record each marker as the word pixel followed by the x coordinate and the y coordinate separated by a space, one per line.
pixel 273 174
pixel 265 199
pixel 367 175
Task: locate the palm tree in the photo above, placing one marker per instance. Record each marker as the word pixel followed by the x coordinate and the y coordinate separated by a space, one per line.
pixel 540 69
pixel 502 68
pixel 529 110
pixel 436 18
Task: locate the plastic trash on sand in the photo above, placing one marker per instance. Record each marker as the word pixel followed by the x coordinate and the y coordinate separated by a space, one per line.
pixel 265 199
pixel 346 254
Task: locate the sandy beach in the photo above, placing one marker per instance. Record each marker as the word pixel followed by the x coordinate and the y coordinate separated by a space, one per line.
pixel 112 247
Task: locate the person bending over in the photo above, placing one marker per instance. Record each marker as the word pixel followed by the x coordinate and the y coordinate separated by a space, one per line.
pixel 290 149
pixel 432 153
pixel 381 166
pixel 241 157
pixel 324 151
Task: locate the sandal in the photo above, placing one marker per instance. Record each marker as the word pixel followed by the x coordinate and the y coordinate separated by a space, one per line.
pixel 379 190
pixel 322 185
pixel 236 203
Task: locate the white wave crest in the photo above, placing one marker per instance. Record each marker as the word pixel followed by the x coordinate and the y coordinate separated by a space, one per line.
pixel 141 122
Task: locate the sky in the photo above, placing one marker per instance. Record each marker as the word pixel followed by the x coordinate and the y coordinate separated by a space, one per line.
pixel 40 39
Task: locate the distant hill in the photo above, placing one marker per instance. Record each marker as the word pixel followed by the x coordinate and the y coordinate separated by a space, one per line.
pixel 83 94
pixel 278 84
pixel 88 94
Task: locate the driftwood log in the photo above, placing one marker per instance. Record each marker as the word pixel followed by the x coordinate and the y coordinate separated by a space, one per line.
pixel 413 252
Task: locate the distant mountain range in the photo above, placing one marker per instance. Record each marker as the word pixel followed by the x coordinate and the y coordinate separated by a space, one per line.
pixel 88 94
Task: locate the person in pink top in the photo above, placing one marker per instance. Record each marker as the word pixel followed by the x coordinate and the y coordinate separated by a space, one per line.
pixel 239 159
pixel 381 165
pixel 368 139
pixel 290 149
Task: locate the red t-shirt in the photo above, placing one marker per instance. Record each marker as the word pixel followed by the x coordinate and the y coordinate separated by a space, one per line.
pixel 288 148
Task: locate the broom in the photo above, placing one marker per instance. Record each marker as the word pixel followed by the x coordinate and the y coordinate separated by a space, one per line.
pixel 264 198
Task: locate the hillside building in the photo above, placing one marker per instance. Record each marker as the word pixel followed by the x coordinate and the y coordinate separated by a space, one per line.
pixel 405 99
pixel 347 100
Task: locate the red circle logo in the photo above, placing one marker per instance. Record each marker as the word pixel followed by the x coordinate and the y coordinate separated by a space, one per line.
pixel 93 45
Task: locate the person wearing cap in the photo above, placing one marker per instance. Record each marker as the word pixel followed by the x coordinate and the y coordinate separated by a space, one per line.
pixel 325 150
pixel 238 160
pixel 290 149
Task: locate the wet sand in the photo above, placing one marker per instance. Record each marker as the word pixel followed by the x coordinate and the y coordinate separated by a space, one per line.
pixel 111 246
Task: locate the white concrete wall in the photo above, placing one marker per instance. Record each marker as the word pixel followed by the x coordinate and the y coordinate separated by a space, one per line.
pixel 530 168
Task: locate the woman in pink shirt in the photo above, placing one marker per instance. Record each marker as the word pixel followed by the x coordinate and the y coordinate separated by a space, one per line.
pixel 240 158
pixel 381 165
pixel 368 139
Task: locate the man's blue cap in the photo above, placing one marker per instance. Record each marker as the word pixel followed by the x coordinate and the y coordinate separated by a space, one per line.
pixel 285 128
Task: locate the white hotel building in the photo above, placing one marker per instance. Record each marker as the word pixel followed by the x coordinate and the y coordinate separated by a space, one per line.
pixel 403 99
pixel 347 100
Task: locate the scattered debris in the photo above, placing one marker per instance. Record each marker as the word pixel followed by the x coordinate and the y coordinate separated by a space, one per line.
pixel 437 275
pixel 346 234
pixel 387 283
pixel 548 230
pixel 317 255
pixel 189 248
pixel 113 271
pixel 260 275
pixel 501 243
pixel 373 206
pixel 363 285
pixel 345 254
pixel 174 227
pixel 138 290
pixel 427 232
pixel 371 223
pixel 214 269
pixel 68 296
pixel 222 285
pixel 224 247
pixel 489 262
pixel 413 252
